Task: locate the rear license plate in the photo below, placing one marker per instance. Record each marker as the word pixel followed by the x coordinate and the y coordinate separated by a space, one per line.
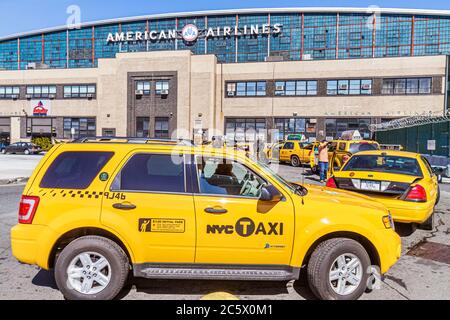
pixel 370 185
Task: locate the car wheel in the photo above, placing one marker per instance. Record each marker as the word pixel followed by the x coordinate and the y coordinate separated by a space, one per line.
pixel 405 229
pixel 429 224
pixel 295 161
pixel 337 270
pixel 315 170
pixel 91 268
pixel 26 152
pixel 438 198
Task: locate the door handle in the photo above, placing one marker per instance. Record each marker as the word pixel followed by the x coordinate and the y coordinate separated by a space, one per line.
pixel 124 206
pixel 216 210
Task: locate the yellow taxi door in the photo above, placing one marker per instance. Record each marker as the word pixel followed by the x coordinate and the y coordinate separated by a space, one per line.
pixel 338 159
pixel 149 204
pixel 233 225
pixel 286 151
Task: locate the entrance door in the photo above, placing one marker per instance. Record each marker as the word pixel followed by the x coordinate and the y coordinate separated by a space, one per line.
pixel 233 225
pixel 149 204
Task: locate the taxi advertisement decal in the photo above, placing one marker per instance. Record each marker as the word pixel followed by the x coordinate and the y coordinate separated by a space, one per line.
pixel 162 225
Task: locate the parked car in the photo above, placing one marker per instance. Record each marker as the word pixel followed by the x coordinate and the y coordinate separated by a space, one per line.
pixel 3 146
pixel 22 147
pixel 403 181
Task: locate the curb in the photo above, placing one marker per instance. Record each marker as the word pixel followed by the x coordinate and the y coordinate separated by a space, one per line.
pixel 4 182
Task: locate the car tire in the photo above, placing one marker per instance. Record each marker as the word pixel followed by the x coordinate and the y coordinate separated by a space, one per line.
pixel 438 198
pixel 315 170
pixel 116 271
pixel 295 161
pixel 428 225
pixel 325 258
pixel 27 152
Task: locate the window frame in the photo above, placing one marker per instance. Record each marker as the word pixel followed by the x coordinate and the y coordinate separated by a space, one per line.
pixel 310 88
pixel 41 94
pixel 406 91
pixel 353 85
pixel 196 179
pixel 118 178
pixel 79 94
pixel 240 89
pixel 143 83
pixel 7 95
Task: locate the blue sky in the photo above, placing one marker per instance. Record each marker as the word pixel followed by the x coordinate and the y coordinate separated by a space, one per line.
pixel 27 15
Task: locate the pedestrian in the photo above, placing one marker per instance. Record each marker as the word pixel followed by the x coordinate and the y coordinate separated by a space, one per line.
pixel 323 160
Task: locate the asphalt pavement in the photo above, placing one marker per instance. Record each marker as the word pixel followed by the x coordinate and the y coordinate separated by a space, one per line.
pixel 418 275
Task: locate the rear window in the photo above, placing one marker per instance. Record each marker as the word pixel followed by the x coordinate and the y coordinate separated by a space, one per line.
pixel 358 147
pixel 75 170
pixel 387 164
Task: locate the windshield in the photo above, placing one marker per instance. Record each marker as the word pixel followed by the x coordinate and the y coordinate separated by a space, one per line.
pixel 363 146
pixel 387 164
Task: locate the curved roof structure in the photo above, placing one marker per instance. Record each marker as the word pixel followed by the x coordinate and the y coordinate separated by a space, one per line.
pixel 369 10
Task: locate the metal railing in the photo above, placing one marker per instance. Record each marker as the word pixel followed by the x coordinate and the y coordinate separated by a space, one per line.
pixel 413 121
pixel 133 140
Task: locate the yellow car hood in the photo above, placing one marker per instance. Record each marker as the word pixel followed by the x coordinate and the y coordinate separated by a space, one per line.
pixel 378 176
pixel 341 197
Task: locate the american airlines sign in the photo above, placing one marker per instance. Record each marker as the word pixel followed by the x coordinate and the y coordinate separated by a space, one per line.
pixel 190 33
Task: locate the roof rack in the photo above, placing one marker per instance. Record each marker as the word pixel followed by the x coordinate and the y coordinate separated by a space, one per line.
pixel 133 140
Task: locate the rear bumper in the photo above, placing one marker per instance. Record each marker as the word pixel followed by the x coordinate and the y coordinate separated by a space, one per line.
pixel 411 212
pixel 29 244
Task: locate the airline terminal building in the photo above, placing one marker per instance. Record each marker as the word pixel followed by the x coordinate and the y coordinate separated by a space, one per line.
pixel 245 73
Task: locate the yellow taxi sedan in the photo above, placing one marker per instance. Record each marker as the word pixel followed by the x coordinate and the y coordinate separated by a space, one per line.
pixel 404 182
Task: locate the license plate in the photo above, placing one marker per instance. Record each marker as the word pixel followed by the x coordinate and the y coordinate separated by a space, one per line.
pixel 370 185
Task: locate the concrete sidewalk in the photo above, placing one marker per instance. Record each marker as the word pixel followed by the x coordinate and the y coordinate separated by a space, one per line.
pixel 15 168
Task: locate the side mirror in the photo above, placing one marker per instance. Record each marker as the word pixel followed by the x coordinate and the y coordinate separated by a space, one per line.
pixel 270 194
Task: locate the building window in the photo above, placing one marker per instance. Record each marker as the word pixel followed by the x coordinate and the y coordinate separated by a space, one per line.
pixel 143 86
pixel 75 128
pixel 79 91
pixel 406 86
pixel 7 92
pixel 246 89
pixel 162 128
pixel 289 126
pixel 245 130
pixel 335 127
pixel 41 91
pixel 142 127
pixel 162 87
pixel 296 88
pixel 349 87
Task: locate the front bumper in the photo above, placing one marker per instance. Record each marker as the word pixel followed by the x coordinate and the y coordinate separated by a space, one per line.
pixel 389 249
pixel 30 244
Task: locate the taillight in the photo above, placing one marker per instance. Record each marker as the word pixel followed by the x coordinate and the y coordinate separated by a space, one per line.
pixel 27 209
pixel 417 194
pixel 331 183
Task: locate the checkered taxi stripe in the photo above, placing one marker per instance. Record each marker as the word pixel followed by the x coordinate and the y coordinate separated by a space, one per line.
pixel 71 194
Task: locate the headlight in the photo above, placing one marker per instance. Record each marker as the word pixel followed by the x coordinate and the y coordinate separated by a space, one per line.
pixel 388 222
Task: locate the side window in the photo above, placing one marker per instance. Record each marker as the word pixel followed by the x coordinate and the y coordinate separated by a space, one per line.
pixel 218 176
pixel 152 173
pixel 288 146
pixel 75 170
pixel 342 146
pixel 332 147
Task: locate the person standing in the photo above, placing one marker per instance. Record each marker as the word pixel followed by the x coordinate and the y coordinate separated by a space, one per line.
pixel 323 160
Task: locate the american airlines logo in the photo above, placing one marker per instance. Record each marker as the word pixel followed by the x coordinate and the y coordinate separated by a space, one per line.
pixel 190 33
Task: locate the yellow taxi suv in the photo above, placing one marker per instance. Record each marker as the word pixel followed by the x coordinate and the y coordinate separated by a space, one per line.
pixel 404 182
pixel 97 210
